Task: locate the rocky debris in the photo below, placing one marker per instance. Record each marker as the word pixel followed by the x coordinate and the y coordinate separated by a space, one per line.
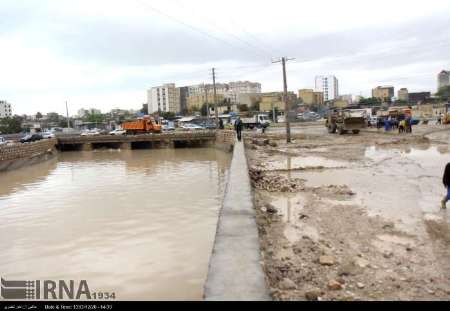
pixel 273 144
pixel 360 285
pixel 361 262
pixel 271 209
pixel 287 284
pixel 274 182
pixel 334 285
pixel 313 294
pixel 388 255
pixel 327 260
pixel 260 142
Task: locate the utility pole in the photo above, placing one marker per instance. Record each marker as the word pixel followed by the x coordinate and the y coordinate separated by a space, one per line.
pixel 206 102
pixel 67 114
pixel 285 97
pixel 215 98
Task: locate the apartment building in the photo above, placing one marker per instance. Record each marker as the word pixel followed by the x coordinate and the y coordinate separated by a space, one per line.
pixel 5 109
pixel 311 97
pixel 274 100
pixel 384 93
pixel 443 79
pixel 403 94
pixel 165 98
pixel 329 86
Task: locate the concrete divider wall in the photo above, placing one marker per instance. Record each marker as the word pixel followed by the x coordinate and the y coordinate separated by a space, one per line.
pixel 17 155
pixel 235 269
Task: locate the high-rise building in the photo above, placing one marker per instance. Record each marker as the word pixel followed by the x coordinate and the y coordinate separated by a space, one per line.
pixel 403 94
pixel 385 93
pixel 329 86
pixel 5 109
pixel 443 79
pixel 310 97
pixel 183 93
pixel 164 98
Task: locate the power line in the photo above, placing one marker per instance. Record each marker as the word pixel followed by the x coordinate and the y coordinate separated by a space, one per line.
pixel 196 29
pixel 264 53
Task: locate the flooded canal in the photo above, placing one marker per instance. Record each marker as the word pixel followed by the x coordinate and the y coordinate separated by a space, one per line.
pixel 138 223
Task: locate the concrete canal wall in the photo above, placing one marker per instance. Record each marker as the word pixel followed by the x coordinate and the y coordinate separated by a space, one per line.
pixel 19 155
pixel 235 270
pixel 225 140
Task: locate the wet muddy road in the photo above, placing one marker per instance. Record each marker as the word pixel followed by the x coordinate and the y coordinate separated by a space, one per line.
pixel 353 217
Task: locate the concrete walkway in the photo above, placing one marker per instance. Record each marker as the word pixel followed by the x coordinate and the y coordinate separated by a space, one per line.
pixel 235 271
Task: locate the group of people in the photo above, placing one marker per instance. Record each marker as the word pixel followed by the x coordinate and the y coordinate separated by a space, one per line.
pixel 391 123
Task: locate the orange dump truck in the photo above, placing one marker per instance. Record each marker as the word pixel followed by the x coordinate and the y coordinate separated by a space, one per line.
pixel 142 126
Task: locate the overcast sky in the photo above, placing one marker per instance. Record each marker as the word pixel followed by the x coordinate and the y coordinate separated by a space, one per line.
pixel 106 53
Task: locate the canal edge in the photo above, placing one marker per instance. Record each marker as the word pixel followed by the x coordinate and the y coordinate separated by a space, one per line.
pixel 235 272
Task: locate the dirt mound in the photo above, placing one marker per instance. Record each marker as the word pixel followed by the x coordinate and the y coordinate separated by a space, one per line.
pixel 275 183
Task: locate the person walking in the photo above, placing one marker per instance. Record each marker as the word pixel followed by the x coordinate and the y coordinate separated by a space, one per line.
pixel 221 124
pixel 446 181
pixel 409 125
pixel 238 128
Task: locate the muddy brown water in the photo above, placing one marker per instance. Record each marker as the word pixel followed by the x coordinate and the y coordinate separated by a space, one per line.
pixel 138 223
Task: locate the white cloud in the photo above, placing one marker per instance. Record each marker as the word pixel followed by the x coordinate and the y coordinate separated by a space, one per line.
pixel 106 53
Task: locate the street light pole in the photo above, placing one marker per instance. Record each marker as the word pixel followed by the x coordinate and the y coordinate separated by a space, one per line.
pixel 285 97
pixel 67 114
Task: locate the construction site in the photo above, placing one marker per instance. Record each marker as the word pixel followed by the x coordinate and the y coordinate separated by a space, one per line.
pixel 352 217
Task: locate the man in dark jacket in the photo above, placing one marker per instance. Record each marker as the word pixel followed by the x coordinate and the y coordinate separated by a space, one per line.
pixel 238 128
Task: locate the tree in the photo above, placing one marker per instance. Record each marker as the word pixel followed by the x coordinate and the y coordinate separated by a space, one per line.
pixel 94 118
pixel 204 110
pixel 243 108
pixel 444 92
pixel 38 115
pixel 11 125
pixel 372 101
pixel 168 115
pixel 255 106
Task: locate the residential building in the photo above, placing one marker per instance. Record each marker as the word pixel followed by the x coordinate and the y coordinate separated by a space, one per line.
pixel 340 103
pixel 443 79
pixel 244 87
pixel 346 98
pixel 195 102
pixel 311 97
pixel 418 97
pixel 385 93
pixel 250 99
pixel 429 110
pixel 231 91
pixel 183 93
pixel 269 101
pixel 5 109
pixel 329 86
pixel 164 98
pixel 403 94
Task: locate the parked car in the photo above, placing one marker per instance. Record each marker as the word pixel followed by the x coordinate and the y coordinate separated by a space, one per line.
pixel 2 141
pixel 191 127
pixel 48 135
pixel 168 126
pixel 93 132
pixel 31 138
pixel 118 132
pixel 208 125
